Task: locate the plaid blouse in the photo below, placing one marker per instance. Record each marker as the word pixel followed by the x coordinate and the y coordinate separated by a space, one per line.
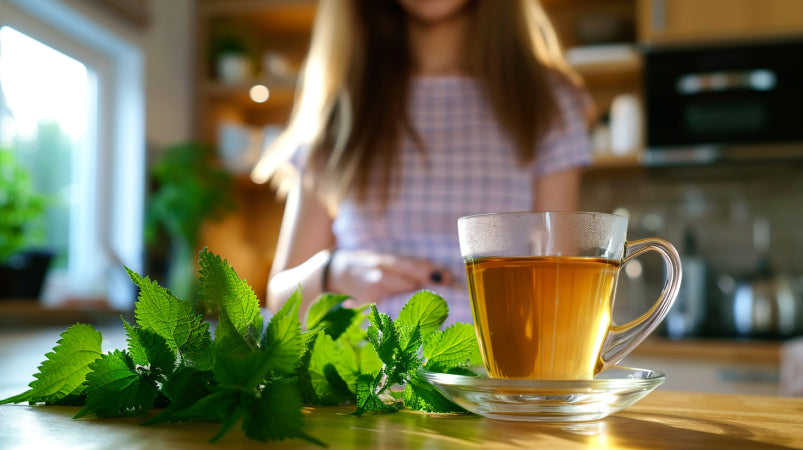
pixel 471 168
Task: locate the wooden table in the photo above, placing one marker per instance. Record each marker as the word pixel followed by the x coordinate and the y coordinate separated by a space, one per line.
pixel 662 420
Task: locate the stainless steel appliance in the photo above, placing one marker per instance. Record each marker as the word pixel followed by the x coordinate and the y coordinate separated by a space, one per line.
pixel 724 102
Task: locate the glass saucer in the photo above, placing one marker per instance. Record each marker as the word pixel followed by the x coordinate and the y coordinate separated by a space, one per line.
pixel 547 400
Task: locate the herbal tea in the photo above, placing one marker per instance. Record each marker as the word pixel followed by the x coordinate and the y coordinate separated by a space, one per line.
pixel 542 317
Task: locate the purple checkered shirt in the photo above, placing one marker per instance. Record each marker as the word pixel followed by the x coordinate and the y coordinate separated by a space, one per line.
pixel 470 168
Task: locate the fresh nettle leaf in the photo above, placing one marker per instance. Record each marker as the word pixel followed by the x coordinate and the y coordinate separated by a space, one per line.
pixel 369 396
pixel 276 414
pixel 224 290
pixel 398 345
pixel 115 388
pixel 419 394
pixel 451 347
pixel 282 339
pixel 246 375
pixel 395 356
pixel 384 336
pixel 150 350
pixel 175 320
pixel 327 310
pixel 333 372
pixel 369 360
pixel 425 309
pixel 302 374
pixel 183 388
pixel 62 374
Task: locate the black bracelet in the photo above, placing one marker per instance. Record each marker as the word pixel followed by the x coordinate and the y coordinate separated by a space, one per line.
pixel 325 273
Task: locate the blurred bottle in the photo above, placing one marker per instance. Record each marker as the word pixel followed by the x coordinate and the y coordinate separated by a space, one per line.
pixel 688 313
pixel 626 125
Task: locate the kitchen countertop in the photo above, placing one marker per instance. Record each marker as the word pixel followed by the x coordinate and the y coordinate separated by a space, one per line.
pixel 720 350
pixel 662 420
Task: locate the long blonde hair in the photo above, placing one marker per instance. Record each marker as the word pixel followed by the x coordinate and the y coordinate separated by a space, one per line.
pixel 351 99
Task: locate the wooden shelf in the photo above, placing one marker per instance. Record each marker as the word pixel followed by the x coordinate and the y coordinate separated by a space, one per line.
pixel 281 93
pixel 605 59
pixel 610 160
pixel 275 16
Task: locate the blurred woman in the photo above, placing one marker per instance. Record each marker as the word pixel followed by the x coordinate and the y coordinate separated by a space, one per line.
pixel 409 115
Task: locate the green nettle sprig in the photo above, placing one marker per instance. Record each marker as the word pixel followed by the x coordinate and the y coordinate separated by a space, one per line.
pixel 259 376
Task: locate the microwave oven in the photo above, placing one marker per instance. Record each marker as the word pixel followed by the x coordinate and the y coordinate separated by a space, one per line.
pixel 712 103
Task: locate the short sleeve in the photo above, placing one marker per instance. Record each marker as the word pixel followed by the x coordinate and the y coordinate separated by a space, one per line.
pixel 566 145
pixel 298 158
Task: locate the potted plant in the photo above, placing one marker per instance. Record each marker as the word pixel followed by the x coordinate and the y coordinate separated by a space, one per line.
pixel 233 53
pixel 188 189
pixel 22 208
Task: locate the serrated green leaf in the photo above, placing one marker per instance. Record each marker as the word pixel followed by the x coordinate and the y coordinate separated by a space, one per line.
pixel 425 309
pixel 368 399
pixel 282 339
pixel 211 407
pixel 221 287
pixel 227 339
pixel 237 363
pixel 355 334
pixel 224 406
pixel 407 360
pixel 244 370
pixel 382 334
pixel 174 320
pixel 324 306
pixel 64 370
pixel 369 361
pixel 302 373
pixel 115 389
pixel 184 387
pixel 420 395
pixel 333 371
pixel 452 346
pixel 276 414
pixel 71 400
pixel 149 349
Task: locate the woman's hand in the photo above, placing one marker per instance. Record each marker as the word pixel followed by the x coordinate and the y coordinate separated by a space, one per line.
pixel 369 277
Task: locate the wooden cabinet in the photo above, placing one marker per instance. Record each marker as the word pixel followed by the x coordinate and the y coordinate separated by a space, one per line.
pixel 273 35
pixel 686 21
pixel 599 37
pixel 262 30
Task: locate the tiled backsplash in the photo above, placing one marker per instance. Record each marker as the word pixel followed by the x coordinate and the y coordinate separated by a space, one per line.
pixel 721 206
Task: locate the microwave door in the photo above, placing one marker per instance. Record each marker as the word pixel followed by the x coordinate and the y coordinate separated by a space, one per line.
pixel 698 112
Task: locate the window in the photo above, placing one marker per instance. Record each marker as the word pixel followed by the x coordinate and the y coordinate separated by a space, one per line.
pixel 72 104
pixel 44 120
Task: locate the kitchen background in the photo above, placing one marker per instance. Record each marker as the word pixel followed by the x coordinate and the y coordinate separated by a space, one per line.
pixel 221 73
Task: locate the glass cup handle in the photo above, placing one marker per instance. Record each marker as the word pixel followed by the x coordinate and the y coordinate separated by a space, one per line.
pixel 622 339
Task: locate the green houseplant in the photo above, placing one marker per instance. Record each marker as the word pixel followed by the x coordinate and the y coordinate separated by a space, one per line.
pixel 232 50
pixel 188 189
pixel 22 211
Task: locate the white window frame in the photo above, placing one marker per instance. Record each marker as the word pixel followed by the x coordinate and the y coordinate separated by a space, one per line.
pixel 111 234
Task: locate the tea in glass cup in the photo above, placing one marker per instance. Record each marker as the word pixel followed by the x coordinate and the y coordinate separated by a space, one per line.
pixel 542 287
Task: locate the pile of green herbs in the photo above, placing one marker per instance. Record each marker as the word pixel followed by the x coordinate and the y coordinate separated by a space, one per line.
pixel 252 374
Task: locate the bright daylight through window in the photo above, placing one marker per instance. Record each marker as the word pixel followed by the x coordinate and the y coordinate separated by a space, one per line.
pixel 43 119
pixel 72 112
